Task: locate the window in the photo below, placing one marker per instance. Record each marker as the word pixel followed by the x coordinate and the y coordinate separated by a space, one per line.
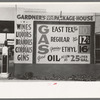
pixel 97 48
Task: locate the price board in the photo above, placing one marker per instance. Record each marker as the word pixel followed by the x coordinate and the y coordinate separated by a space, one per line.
pixel 62 43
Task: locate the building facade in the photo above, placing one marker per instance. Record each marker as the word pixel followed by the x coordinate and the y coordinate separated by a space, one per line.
pixel 55 43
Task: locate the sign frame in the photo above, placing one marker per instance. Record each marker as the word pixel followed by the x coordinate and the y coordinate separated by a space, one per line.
pixel 92 25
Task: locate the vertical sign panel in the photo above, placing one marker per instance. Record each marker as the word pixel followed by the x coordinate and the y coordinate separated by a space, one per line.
pixel 63 44
pixel 23 39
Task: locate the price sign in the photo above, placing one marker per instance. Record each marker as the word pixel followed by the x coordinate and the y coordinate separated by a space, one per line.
pixel 62 43
pixel 84 49
pixel 84 40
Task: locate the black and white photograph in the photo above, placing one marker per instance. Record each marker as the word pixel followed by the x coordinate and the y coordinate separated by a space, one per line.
pixel 50 50
pixel 41 43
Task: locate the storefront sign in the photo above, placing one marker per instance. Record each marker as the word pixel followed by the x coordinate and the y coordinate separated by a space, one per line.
pixel 70 18
pixel 23 41
pixel 55 42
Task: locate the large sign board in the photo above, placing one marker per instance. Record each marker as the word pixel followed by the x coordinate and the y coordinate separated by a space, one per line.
pixel 62 43
pixel 55 42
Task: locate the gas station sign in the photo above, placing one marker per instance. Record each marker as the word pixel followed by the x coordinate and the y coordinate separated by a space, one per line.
pixel 63 43
pixel 58 39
